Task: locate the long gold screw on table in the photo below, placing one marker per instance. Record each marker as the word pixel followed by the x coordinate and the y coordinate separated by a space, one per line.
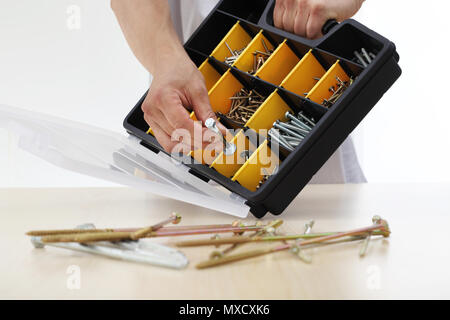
pixel 175 218
pixel 379 225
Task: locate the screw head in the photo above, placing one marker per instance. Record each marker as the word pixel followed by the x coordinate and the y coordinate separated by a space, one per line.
pixel 236 223
pixel 310 224
pixel 216 255
pixel 270 230
pixel 37 243
pixel 229 149
pixel 177 218
pixel 376 219
pixel 295 250
pixel 210 123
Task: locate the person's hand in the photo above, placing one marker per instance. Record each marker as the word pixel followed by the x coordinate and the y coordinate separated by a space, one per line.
pixel 307 17
pixel 178 86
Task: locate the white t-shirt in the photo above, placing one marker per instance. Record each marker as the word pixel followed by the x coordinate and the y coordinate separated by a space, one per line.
pixel 343 165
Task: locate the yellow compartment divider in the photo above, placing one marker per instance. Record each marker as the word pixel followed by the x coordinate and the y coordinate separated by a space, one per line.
pixel 322 89
pixel 228 165
pixel 279 64
pixel 245 61
pixel 209 73
pixel 219 95
pixel 200 154
pixel 301 79
pixel 192 116
pixel 263 161
pixel 237 38
pixel 274 108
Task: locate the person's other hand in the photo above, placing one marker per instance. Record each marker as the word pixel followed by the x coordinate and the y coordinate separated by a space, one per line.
pixel 307 17
pixel 178 86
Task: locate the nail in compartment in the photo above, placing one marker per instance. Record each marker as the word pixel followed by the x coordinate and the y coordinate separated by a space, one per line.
pixel 232 45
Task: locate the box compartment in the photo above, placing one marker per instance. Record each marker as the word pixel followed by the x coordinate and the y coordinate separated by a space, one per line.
pixel 279 64
pixel 274 108
pixel 321 90
pixel 247 61
pixel 304 76
pixel 228 165
pixel 261 163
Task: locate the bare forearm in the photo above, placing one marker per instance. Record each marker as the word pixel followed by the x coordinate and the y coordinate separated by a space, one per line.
pixel 148 28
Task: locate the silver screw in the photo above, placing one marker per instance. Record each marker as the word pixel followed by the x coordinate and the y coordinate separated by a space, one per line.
pixel 364 52
pixel 364 247
pixel 288 115
pixel 358 56
pixel 293 127
pixel 280 137
pixel 289 138
pixel 300 114
pixel 297 250
pixel 362 252
pixel 283 139
pixel 37 243
pixel 297 121
pixel 276 137
pixel 228 148
pixel 308 226
pixel 286 130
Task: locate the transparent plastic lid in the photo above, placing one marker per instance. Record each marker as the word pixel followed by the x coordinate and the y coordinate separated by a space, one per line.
pixel 114 157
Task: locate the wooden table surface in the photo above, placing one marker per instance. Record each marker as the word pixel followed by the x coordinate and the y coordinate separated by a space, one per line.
pixel 413 263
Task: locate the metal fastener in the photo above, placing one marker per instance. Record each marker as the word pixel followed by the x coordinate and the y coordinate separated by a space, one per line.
pixel 300 114
pixel 358 56
pixel 229 148
pixel 293 127
pixel 364 52
pixel 277 138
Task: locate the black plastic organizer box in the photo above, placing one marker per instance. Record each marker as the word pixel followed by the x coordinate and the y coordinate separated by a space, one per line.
pixel 286 79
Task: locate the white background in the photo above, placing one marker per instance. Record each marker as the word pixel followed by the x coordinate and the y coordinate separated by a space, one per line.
pixel 88 74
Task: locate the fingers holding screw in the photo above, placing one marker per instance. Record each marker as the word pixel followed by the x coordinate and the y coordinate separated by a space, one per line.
pixel 228 148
